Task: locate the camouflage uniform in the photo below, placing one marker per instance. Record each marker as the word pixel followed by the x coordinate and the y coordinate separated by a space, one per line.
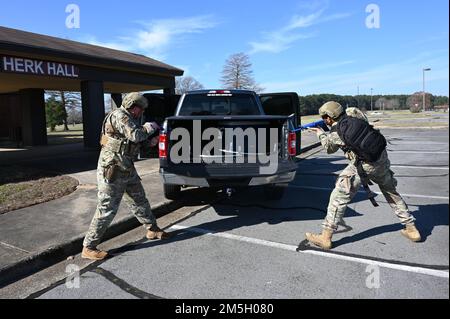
pixel 349 181
pixel 116 175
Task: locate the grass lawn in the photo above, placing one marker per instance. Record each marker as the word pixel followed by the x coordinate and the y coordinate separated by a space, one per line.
pixel 400 118
pixel 407 114
pixel 24 186
pixel 74 135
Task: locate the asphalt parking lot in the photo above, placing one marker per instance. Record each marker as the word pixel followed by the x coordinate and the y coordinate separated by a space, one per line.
pixel 248 247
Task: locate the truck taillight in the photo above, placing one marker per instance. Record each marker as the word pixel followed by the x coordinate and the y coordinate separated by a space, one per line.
pixel 292 144
pixel 163 146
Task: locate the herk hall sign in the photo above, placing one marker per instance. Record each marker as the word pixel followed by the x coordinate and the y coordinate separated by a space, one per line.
pixel 37 67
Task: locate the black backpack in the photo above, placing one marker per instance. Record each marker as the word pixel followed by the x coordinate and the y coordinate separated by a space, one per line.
pixel 361 138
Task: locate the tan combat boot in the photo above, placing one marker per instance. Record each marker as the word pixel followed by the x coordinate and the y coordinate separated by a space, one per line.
pixel 156 233
pixel 93 254
pixel 322 240
pixel 411 233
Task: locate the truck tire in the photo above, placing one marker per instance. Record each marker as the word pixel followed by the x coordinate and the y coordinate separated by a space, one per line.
pixel 172 191
pixel 274 192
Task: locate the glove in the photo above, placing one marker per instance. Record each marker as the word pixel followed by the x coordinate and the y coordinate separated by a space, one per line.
pixel 151 127
pixel 148 127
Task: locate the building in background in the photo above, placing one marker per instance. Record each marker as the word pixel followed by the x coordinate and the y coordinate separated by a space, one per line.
pixel 32 63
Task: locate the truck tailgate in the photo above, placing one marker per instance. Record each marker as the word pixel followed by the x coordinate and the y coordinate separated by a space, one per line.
pixel 242 143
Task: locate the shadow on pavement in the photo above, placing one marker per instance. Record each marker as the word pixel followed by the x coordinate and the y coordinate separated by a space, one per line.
pixel 242 212
pixel 427 217
pixel 62 159
pixel 249 208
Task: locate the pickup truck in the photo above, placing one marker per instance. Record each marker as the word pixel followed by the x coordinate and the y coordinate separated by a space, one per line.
pixel 251 135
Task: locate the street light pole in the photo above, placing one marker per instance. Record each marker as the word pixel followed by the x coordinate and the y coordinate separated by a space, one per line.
pixel 357 97
pixel 423 92
pixel 371 99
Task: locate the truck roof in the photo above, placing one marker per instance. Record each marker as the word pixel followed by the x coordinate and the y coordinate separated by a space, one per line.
pixel 221 90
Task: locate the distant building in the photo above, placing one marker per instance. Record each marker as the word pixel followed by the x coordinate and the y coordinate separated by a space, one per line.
pixel 442 108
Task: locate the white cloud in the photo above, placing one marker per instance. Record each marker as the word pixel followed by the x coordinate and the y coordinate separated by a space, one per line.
pixel 282 39
pixel 112 45
pixel 154 38
pixel 400 77
pixel 298 22
pixel 276 42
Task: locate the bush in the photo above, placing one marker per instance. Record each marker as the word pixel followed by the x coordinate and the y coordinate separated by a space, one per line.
pixel 415 109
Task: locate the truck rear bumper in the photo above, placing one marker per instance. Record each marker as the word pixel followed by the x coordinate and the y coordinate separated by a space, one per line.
pixel 174 179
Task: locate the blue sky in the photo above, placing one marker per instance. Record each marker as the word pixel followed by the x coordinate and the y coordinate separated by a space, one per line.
pixel 318 46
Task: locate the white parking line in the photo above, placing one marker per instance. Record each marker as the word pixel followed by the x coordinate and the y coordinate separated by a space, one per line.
pixel 342 160
pixel 416 152
pixel 363 192
pixel 445 168
pixel 418 270
pixel 421 167
pixel 417 142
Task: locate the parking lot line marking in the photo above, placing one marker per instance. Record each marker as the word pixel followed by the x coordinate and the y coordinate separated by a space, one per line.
pixel 364 192
pixel 446 168
pixel 418 270
pixel 421 167
pixel 396 142
pixel 417 152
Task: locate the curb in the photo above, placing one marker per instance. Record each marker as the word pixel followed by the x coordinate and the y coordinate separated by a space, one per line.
pixel 41 260
pixel 58 253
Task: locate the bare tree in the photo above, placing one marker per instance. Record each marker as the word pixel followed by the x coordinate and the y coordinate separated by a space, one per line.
pixel 394 104
pixel 415 101
pixel 381 103
pixel 187 83
pixel 74 116
pixel 237 73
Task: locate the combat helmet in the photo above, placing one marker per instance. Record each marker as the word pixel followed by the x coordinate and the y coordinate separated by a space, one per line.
pixel 332 109
pixel 134 98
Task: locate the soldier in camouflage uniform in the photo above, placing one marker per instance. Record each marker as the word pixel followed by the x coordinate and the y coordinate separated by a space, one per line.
pixel 349 181
pixel 116 174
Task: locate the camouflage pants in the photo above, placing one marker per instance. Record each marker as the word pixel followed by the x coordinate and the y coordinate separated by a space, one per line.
pixel 109 198
pixel 348 184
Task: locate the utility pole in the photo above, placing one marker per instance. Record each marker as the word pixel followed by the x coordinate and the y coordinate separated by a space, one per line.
pixel 423 92
pixel 371 99
pixel 357 97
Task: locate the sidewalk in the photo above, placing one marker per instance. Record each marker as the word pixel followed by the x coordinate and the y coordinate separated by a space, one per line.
pixel 60 225
pixel 36 237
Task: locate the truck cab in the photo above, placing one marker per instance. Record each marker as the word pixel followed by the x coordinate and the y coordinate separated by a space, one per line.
pixel 235 161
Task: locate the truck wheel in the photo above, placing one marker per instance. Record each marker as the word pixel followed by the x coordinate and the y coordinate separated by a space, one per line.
pixel 274 192
pixel 172 191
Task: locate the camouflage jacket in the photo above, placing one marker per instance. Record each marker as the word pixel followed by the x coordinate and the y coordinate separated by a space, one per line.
pixel 125 133
pixel 332 142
